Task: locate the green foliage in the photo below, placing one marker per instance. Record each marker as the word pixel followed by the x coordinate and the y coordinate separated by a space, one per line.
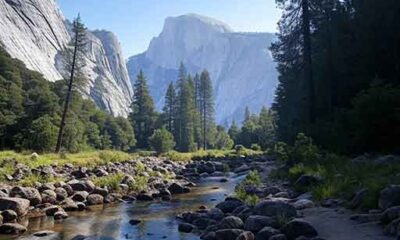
pixel 255 147
pixel 222 139
pixel 162 141
pixel 42 134
pixel 252 179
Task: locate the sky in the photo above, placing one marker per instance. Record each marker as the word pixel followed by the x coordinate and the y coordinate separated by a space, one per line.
pixel 136 22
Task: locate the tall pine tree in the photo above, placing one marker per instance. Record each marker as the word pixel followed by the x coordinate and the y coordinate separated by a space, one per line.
pixel 206 105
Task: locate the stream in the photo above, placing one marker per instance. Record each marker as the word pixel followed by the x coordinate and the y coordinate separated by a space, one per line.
pixel 112 222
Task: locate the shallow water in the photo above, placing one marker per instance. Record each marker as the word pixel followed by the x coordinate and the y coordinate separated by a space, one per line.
pixel 112 222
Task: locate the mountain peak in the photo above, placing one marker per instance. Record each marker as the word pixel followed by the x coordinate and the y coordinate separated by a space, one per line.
pixel 196 18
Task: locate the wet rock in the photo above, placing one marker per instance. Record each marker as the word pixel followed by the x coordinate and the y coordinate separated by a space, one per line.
pixel 256 222
pixel 297 228
pixel 60 215
pixel 241 169
pixel 9 215
pixel 145 197
pixel 208 236
pixel 95 199
pixel 389 197
pixel 80 196
pixel 223 180
pixel 229 205
pixel 246 236
pixel 176 188
pixel 186 227
pixel 266 232
pixel 390 214
pixel 274 208
pixel 203 222
pixel 50 211
pixel 231 222
pixel 134 222
pixel 69 205
pixel 392 228
pixel 12 228
pixel 29 193
pixel 206 168
pixel 19 205
pixel 228 234
pixel 215 214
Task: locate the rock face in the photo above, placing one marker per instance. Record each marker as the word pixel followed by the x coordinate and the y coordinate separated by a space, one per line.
pixel 240 64
pixel 35 32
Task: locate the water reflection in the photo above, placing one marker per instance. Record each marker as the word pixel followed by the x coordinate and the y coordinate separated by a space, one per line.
pixel 158 218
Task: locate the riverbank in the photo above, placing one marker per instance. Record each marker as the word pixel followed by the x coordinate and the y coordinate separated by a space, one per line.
pixel 34 186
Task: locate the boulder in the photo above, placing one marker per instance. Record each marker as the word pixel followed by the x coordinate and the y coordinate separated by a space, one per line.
pixel 145 197
pixel 231 222
pixel 60 215
pixel 50 211
pixel 69 205
pixel 390 214
pixel 297 228
pixel 19 205
pixel 9 215
pixel 278 237
pixel 389 197
pixel 32 194
pixel 358 198
pixel 49 196
pixel 208 236
pixel 102 191
pixel 303 204
pixel 229 206
pixel 255 223
pixel 241 169
pixel 176 188
pixel 61 193
pixel 274 208
pixel 266 232
pixel 246 236
pixel 95 199
pixel 12 228
pixel 216 214
pixel 186 227
pixel 80 196
pixel 228 234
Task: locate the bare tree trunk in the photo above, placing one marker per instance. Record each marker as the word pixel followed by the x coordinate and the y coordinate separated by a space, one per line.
pixel 68 97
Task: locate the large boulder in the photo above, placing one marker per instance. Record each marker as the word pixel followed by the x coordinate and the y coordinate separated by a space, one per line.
pixel 12 228
pixel 297 228
pixel 80 196
pixel 49 196
pixel 69 205
pixel 274 208
pixel 228 234
pixel 19 205
pixel 389 197
pixel 32 194
pixel 231 222
pixel 9 215
pixel 255 223
pixel 176 188
pixel 95 199
pixel 216 214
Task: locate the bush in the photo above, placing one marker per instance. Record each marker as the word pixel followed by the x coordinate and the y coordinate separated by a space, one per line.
pixel 162 141
pixel 255 147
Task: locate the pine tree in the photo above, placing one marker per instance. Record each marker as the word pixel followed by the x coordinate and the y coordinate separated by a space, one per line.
pixel 247 114
pixel 266 130
pixel 178 119
pixel 233 131
pixel 170 108
pixel 143 115
pixel 206 108
pixel 74 63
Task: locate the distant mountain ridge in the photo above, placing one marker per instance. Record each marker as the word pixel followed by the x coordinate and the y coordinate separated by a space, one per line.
pixel 240 64
pixel 35 31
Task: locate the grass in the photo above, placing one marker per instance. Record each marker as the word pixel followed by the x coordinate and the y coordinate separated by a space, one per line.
pixel 252 179
pixel 32 179
pixel 206 154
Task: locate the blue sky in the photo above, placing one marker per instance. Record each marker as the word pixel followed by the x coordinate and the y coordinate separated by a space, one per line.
pixel 136 22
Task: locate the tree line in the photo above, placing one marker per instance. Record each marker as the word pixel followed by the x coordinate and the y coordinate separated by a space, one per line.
pixel 339 73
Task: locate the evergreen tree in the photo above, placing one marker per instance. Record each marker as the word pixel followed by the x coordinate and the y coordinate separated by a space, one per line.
pixel 74 62
pixel 170 107
pixel 266 130
pixel 143 114
pixel 206 108
pixel 162 141
pixel 234 131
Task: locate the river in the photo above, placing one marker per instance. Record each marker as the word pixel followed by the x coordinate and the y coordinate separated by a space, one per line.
pixel 112 222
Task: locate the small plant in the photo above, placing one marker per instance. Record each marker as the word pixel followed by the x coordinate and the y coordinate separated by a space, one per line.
pixel 240 149
pixel 282 219
pixel 255 147
pixel 253 178
pixel 111 181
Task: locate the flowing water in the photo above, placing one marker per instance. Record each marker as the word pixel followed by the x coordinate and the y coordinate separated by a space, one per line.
pixel 112 222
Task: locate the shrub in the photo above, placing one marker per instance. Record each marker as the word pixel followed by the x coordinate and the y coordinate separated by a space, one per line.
pixel 162 141
pixel 255 147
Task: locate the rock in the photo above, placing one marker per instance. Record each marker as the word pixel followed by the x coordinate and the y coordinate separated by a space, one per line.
pixel 389 197
pixel 231 222
pixel 266 232
pixel 12 228
pixel 228 206
pixel 61 193
pixel 95 199
pixel 297 228
pixel 77 185
pixel 19 205
pixel 392 228
pixel 365 218
pixel 50 211
pixel 203 222
pixel 9 215
pixel 29 193
pixel 246 236
pixel 145 197
pixel 69 189
pixel 44 233
pixel 390 214
pixel 69 205
pixel 206 168
pixel 306 181
pixel 274 208
pixel 303 204
pixel 60 215
pixel 186 227
pixel 134 222
pixel 208 236
pixel 176 188
pixel 228 234
pixel 80 196
pixel 387 160
pixel 358 198
pixel 49 196
pixel 241 169
pixel 255 223
pixel 89 186
pixel 80 173
pixel 215 214
pixel 102 191
pixel 223 180
pixel 271 191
